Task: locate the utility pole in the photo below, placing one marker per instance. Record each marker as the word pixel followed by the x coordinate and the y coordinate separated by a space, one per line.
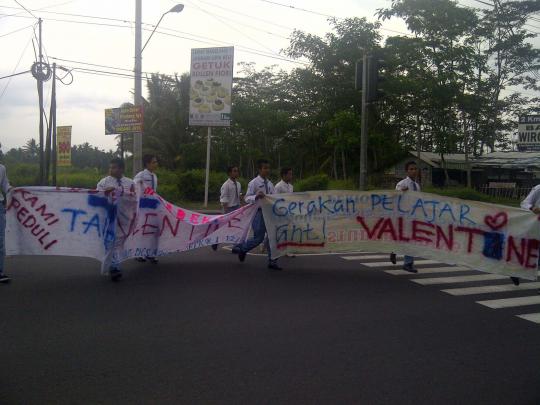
pixel 52 126
pixel 137 137
pixel 364 124
pixel 40 96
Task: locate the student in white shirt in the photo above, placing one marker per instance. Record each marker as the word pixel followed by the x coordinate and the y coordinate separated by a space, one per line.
pixel 285 186
pixel 4 188
pixel 116 181
pixel 408 184
pixel 530 203
pixel 231 192
pixel 147 179
pixel 257 189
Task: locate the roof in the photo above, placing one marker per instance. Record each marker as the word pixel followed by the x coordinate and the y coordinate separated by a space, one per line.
pixel 508 160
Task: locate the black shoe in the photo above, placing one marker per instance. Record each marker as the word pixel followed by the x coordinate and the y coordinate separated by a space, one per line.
pixel 235 250
pixel 152 260
pixel 214 247
pixel 242 256
pixel 116 275
pixel 410 268
pixel 274 266
pixel 4 279
pixel 515 280
pixel 393 258
pixel 140 259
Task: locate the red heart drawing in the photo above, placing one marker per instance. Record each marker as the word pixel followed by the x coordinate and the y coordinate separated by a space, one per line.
pixel 496 222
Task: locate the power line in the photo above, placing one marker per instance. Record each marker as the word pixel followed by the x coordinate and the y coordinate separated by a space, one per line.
pixel 25 9
pixel 17 30
pixel 13 74
pixel 248 15
pixel 299 9
pixel 252 27
pixel 232 27
pixel 245 48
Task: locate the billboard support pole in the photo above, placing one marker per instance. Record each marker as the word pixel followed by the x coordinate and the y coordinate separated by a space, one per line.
pixel 207 179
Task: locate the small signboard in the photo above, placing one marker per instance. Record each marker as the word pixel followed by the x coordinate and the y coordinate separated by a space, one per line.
pixel 125 120
pixel 211 86
pixel 529 133
pixel 63 146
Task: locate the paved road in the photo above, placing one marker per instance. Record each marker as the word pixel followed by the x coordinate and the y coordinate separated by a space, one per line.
pixel 202 328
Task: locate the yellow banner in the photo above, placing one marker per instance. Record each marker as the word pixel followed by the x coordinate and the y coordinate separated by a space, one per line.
pixel 63 146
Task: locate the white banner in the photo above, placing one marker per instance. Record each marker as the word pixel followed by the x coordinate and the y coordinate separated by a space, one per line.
pixel 486 237
pixel 211 86
pixel 87 223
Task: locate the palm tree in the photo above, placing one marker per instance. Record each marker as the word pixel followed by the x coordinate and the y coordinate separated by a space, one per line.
pixel 31 149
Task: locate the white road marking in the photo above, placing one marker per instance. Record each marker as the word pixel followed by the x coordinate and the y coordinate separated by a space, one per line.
pixel 492 289
pixel 530 317
pixel 371 257
pixel 511 302
pixel 429 270
pixel 386 264
pixel 459 279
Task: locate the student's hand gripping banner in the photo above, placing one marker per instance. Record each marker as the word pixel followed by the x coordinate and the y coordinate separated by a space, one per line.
pixel 112 228
pixel 486 237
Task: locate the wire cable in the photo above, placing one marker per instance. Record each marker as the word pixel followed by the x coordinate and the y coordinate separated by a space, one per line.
pixel 17 30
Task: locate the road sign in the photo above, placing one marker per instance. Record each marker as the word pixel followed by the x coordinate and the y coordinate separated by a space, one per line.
pixel 529 133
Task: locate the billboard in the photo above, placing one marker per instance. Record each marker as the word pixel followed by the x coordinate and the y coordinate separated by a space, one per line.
pixel 529 133
pixel 125 120
pixel 211 86
pixel 63 146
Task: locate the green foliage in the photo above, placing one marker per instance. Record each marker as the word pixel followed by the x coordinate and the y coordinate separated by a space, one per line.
pixel 470 194
pixel 22 174
pixel 342 185
pixel 313 183
pixel 191 185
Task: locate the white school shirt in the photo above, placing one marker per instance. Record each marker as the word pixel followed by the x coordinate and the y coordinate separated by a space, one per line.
pixel 283 187
pixel 230 193
pixel 125 184
pixel 256 185
pixel 147 179
pixel 532 200
pixel 408 183
pixel 4 183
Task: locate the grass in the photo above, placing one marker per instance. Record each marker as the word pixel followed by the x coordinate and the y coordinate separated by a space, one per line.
pixel 24 174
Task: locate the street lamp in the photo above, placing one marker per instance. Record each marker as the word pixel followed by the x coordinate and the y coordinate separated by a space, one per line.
pixel 137 138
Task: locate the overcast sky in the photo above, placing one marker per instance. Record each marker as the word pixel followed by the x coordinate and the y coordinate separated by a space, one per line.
pixel 249 25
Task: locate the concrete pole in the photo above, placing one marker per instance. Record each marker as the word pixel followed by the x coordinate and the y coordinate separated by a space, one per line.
pixel 207 179
pixel 364 125
pixel 137 138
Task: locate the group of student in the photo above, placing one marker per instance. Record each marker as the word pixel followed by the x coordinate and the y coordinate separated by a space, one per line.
pixel 231 198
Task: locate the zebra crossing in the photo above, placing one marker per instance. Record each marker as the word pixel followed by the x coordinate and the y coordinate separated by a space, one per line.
pixel 444 275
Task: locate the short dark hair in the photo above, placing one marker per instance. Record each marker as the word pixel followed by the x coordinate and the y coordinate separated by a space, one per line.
pixel 409 164
pixel 285 170
pixel 147 159
pixel 231 168
pixel 118 162
pixel 262 162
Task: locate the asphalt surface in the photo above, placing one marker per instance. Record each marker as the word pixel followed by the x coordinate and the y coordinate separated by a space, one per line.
pixel 201 328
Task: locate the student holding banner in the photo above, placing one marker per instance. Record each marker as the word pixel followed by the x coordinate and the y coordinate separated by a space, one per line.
pixel 230 194
pixel 285 186
pixel 147 179
pixel 4 188
pixel 408 183
pixel 257 189
pixel 122 185
pixel 530 203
